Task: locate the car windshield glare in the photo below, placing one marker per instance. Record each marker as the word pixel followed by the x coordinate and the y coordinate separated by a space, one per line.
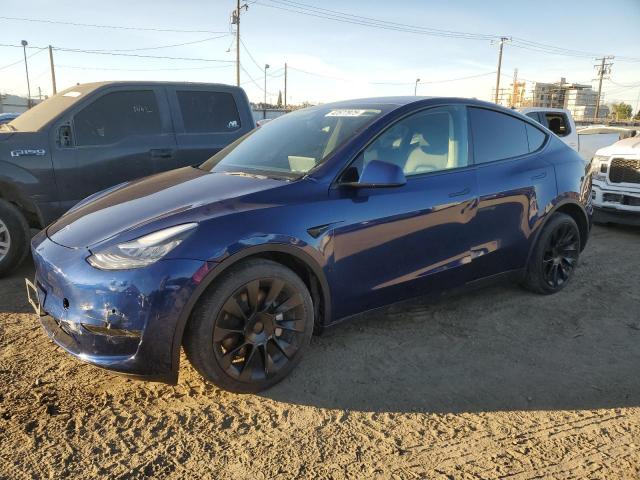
pixel 295 143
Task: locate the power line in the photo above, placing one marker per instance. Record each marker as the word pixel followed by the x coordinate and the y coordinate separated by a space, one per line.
pixel 390 83
pixel 255 82
pixel 309 10
pixel 22 60
pixel 160 46
pixel 78 67
pixel 116 27
pixel 94 52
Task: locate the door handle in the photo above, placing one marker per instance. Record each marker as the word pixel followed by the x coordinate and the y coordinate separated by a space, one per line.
pixel 460 193
pixel 538 176
pixel 161 152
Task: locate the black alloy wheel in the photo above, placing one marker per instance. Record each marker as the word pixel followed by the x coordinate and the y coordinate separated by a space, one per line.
pixel 260 328
pixel 555 255
pixel 561 255
pixel 250 327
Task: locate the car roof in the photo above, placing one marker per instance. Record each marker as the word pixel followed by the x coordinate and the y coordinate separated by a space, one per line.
pixel 90 86
pixel 399 101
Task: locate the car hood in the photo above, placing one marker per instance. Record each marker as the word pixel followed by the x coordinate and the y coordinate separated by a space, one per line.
pixel 628 146
pixel 135 204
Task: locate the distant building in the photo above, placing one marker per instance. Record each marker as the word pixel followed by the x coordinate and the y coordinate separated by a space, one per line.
pixel 581 102
pixel 14 103
pixel 579 99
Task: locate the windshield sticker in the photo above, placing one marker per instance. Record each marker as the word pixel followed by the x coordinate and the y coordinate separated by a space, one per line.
pixel 351 112
pixel 73 94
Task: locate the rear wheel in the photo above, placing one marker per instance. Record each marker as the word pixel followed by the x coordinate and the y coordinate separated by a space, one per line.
pixel 555 256
pixel 251 327
pixel 14 237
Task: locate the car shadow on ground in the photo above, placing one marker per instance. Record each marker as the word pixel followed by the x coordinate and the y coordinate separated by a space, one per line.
pixel 498 349
pixel 13 294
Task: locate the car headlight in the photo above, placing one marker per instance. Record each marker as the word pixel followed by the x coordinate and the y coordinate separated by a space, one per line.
pixel 142 251
pixel 600 166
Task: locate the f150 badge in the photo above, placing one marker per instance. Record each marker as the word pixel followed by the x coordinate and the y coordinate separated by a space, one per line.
pixel 28 152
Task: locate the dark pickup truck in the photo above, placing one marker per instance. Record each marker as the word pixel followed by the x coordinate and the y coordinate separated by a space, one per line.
pixel 97 135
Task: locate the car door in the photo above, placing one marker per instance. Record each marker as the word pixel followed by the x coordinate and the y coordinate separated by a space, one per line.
pixel 119 135
pixel 400 242
pixel 206 120
pixel 515 184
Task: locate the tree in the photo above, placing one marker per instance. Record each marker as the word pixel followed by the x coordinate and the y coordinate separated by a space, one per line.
pixel 622 110
pixel 637 117
pixel 279 99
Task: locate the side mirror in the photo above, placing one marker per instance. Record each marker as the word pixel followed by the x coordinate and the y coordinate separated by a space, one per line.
pixel 378 174
pixel 64 136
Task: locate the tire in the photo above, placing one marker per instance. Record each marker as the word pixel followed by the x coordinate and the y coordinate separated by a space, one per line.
pixel 555 256
pixel 14 238
pixel 250 327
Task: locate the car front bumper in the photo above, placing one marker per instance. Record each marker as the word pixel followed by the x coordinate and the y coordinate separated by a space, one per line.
pixel 120 320
pixel 615 204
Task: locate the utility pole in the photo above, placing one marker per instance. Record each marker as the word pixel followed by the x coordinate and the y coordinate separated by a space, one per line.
pixel 603 69
pixel 235 20
pixel 285 85
pixel 501 43
pixel 26 68
pixel 53 70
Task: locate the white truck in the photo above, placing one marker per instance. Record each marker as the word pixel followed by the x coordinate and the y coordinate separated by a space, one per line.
pixel 585 140
pixel 615 156
pixel 616 182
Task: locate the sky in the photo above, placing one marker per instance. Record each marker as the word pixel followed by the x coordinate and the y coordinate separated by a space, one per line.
pixel 328 60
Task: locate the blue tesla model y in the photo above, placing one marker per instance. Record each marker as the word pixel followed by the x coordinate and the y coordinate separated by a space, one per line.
pixel 319 215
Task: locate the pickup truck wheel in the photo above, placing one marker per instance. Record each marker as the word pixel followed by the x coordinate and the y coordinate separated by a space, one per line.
pixel 555 256
pixel 249 330
pixel 14 238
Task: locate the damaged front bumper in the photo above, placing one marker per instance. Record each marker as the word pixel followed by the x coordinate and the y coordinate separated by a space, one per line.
pixel 120 320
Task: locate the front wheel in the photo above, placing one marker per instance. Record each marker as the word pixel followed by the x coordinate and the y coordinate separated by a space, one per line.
pixel 249 330
pixel 14 238
pixel 555 256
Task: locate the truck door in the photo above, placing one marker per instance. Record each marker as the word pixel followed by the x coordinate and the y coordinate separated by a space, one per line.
pixel 119 135
pixel 206 120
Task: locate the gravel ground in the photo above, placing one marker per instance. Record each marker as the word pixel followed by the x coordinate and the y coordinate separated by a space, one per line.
pixel 494 383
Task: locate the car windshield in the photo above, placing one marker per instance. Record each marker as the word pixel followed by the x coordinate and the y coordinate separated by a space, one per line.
pixel 37 117
pixel 295 143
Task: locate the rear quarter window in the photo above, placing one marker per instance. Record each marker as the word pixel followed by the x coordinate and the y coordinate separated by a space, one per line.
pixel 497 136
pixel 535 137
pixel 208 112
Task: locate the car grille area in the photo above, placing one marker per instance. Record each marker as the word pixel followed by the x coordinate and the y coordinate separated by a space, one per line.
pixel 621 199
pixel 624 170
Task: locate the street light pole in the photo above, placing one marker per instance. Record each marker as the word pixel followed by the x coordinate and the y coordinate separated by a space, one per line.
pixel 26 68
pixel 415 88
pixel 266 65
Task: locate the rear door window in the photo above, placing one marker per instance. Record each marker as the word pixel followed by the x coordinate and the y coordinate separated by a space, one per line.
pixel 496 135
pixel 208 112
pixel 117 115
pixel 558 123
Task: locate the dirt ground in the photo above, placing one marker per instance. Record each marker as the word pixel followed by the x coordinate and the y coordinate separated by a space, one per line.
pixel 498 383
